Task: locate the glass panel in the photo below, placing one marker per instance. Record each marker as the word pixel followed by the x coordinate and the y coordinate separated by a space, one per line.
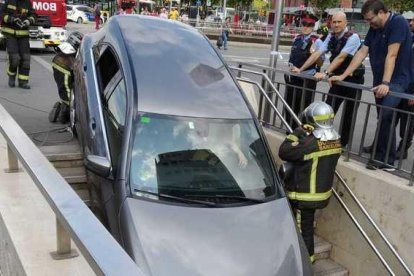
pixel 194 157
pixel 117 103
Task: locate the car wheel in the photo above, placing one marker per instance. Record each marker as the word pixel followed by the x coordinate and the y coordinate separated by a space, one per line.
pixel 80 20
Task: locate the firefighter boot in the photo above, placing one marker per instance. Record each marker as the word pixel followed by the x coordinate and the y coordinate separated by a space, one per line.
pixel 64 114
pixel 24 84
pixel 54 113
pixel 12 81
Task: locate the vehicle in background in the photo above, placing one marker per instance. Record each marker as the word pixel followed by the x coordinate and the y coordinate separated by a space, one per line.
pixel 217 14
pixel 49 30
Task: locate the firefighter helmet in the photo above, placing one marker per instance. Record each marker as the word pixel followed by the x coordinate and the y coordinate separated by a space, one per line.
pixel 321 116
pixel 71 45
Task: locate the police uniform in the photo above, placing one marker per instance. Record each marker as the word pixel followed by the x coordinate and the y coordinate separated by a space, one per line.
pixel 300 52
pixel 335 46
pixel 314 153
pixel 17 16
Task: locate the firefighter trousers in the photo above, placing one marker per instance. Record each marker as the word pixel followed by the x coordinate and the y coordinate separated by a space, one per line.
pixel 304 220
pixel 64 82
pixel 18 49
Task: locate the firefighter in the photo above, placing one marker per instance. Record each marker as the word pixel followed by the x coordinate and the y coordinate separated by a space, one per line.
pixel 312 150
pixel 18 15
pixel 62 65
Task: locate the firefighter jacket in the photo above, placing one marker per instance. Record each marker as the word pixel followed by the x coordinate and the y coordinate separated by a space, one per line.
pixel 14 9
pixel 301 50
pixel 314 162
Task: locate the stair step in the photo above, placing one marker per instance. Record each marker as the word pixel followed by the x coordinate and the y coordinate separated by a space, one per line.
pixel 62 152
pixel 327 267
pixel 73 175
pixel 67 163
pixel 322 248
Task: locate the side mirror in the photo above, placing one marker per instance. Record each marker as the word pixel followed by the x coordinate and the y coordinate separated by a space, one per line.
pixel 99 165
pixel 286 171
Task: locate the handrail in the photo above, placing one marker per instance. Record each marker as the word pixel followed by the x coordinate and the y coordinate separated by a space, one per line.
pixel 100 249
pixel 372 245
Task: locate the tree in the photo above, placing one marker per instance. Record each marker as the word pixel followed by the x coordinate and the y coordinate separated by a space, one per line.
pixel 399 5
pixel 321 5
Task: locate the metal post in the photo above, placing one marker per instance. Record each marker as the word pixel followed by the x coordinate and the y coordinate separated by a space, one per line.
pixel 13 162
pixel 64 250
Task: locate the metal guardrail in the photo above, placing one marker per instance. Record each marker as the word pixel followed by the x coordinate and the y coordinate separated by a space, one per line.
pixel 74 219
pixel 351 151
pixel 266 80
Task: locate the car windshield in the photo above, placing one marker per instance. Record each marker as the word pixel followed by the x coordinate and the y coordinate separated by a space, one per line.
pixel 219 160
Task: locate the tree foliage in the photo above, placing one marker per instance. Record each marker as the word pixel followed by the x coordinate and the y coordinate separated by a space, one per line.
pixel 399 5
pixel 321 5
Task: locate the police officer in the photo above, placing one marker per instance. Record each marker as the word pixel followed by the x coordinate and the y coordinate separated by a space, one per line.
pixel 342 44
pixel 301 50
pixel 63 73
pixel 17 17
pixel 314 150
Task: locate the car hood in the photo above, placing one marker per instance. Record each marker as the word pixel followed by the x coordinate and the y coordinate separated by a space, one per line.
pixel 259 239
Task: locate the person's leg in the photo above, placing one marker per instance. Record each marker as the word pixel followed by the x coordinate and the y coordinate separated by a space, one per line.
pixel 348 112
pixel 14 59
pixel 224 40
pixel 293 97
pixel 406 129
pixel 24 64
pixel 385 133
pixel 307 217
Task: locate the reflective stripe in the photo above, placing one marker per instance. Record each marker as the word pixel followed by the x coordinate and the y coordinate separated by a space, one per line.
pixel 312 258
pixel 61 69
pixel 309 196
pixel 322 153
pixel 313 175
pixel 6 17
pixel 323 117
pixel 8 30
pixel 25 10
pixel 67 88
pixel 299 220
pixel 22 32
pixel 292 137
pixel 22 77
pixel 12 7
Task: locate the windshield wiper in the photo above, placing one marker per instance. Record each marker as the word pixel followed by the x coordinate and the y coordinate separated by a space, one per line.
pixel 176 198
pixel 231 197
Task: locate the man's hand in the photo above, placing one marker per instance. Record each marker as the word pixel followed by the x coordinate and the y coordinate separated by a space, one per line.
pixel 335 78
pixel 26 23
pixel 381 90
pixel 320 76
pixel 294 69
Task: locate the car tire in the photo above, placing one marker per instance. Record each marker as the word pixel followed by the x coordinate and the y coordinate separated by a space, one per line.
pixel 79 20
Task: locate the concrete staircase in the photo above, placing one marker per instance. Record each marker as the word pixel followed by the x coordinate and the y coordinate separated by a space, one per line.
pixel 323 265
pixel 68 160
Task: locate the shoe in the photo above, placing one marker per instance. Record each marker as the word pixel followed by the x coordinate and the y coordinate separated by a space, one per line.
pixel 24 85
pixel 368 149
pixel 12 82
pixel 64 114
pixel 54 113
pixel 372 165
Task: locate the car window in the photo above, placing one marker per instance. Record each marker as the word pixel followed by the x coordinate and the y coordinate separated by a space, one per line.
pixel 68 8
pixel 107 66
pixel 197 158
pixel 117 102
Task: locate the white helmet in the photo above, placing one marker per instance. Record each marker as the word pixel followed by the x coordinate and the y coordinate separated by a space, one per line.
pixel 321 116
pixel 71 45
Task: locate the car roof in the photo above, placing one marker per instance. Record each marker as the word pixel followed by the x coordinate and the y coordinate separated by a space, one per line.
pixel 175 69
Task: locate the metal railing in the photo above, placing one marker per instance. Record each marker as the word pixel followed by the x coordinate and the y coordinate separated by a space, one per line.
pixel 74 220
pixel 265 98
pixel 363 124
